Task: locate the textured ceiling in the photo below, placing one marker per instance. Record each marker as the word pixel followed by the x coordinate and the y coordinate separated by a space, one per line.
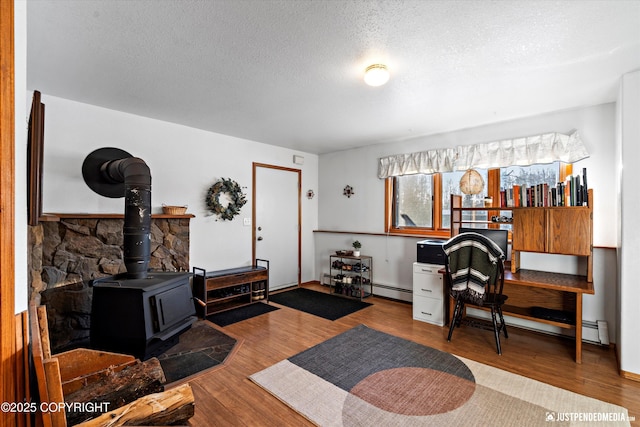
pixel 289 73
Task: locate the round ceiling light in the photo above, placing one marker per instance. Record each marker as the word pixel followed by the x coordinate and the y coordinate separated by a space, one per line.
pixel 376 75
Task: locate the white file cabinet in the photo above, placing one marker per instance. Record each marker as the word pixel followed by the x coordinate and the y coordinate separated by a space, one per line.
pixel 428 293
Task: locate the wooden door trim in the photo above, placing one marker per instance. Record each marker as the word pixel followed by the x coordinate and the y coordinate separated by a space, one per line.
pixel 7 209
pixel 257 165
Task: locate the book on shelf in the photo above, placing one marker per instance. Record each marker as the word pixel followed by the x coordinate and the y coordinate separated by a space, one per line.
pixel 572 192
pixel 585 189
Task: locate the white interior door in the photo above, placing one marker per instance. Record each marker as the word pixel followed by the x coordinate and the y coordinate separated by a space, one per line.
pixel 276 223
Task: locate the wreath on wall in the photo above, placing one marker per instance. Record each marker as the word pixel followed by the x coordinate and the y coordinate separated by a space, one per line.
pixel 237 199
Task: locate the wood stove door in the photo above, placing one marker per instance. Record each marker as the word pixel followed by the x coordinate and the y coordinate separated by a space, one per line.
pixel 172 306
pixel 276 225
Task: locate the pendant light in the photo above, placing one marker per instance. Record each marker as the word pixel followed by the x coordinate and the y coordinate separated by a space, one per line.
pixel 471 182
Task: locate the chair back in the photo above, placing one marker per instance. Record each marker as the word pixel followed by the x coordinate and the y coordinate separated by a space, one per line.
pixel 474 267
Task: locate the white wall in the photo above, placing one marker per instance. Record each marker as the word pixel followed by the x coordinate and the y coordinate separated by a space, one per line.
pixel 21 134
pixel 629 249
pixel 184 163
pixel 393 256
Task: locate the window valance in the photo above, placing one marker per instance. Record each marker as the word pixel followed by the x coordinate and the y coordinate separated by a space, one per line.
pixel 545 148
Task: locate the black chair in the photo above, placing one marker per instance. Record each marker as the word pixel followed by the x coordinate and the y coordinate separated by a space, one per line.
pixel 474 267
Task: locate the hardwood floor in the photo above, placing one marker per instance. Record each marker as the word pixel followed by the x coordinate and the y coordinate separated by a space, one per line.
pixel 226 397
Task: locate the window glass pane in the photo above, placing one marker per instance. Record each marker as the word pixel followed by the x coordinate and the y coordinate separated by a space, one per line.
pixel 414 201
pixel 527 176
pixel 451 185
pixel 531 181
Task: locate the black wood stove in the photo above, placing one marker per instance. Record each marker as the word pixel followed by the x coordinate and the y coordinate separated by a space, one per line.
pixel 142 317
pixel 140 313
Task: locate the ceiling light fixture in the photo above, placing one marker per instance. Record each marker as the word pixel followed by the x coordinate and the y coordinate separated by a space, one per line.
pixel 376 75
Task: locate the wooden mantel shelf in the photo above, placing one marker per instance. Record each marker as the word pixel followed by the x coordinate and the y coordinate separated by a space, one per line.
pixel 56 217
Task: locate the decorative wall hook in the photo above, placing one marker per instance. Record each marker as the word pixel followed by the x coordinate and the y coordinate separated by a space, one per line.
pixel 310 194
pixel 348 191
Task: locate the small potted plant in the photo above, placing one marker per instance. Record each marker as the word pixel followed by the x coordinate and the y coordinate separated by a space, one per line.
pixel 356 248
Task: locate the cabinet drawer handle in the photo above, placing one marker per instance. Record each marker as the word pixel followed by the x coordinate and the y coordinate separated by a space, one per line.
pixel 426 290
pixel 428 314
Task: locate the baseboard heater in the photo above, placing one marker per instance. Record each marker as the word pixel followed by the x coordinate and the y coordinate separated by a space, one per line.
pixel 325 280
pixel 595 332
pixel 392 288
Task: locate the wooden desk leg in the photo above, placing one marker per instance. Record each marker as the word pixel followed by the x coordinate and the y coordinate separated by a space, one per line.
pixel 578 328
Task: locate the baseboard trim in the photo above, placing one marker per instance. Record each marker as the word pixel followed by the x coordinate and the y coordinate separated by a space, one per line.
pixel 630 375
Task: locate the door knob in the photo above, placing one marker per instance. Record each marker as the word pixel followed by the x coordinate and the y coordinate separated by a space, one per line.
pixel 259 238
pixel 259 228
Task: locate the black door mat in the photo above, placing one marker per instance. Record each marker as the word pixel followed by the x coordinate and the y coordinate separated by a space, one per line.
pixel 320 304
pixel 239 314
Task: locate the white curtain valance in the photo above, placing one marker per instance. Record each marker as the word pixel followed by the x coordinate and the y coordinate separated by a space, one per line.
pixel 545 148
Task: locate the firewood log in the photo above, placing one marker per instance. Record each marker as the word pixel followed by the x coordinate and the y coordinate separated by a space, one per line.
pixel 174 406
pixel 117 389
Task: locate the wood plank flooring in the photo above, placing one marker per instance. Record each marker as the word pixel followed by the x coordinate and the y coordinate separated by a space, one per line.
pixel 226 397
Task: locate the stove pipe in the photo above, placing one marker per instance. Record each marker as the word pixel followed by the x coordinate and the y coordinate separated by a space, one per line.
pixel 115 173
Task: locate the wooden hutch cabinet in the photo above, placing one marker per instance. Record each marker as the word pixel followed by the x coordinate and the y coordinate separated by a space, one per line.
pixel 566 230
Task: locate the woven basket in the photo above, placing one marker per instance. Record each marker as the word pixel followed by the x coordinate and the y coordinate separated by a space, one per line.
pixel 174 210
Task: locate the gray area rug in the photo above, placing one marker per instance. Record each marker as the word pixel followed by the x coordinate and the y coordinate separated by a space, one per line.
pixel 365 377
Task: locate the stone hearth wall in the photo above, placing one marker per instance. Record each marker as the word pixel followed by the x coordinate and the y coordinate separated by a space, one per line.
pixel 66 255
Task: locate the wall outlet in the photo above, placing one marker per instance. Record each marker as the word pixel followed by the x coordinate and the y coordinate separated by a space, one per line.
pixel 247 222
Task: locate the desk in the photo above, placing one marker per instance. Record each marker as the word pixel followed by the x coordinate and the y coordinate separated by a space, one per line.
pixel 530 288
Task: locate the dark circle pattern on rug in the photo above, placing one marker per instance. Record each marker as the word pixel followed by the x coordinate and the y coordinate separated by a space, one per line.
pixel 410 391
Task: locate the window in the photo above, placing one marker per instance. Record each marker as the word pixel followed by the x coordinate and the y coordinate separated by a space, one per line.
pixel 413 201
pixel 420 203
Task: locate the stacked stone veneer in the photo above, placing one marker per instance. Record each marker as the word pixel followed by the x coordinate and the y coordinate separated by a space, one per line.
pixel 66 255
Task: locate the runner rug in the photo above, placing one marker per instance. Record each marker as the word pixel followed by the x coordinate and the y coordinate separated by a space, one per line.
pixel 319 304
pixel 364 377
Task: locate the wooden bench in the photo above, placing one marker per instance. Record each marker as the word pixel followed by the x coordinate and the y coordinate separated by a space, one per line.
pixel 222 290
